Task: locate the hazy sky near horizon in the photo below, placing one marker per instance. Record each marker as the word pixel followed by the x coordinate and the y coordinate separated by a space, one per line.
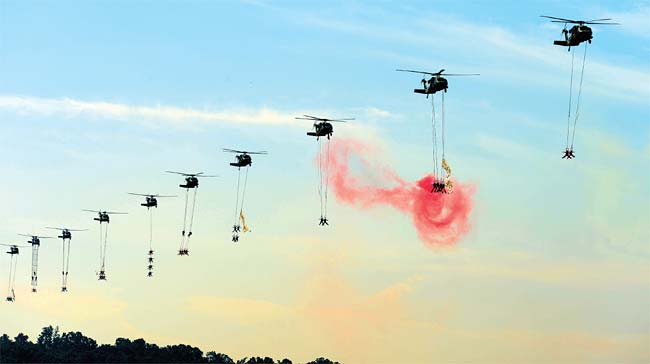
pixel 98 98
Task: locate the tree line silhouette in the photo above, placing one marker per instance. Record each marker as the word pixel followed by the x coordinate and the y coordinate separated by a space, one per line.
pixel 53 346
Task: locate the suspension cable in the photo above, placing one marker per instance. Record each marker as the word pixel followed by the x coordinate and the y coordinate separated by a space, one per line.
pixel 582 73
pixel 196 190
pixel 105 245
pixel 187 194
pixel 434 153
pixel 327 175
pixel 568 120
pixel 237 199
pixel 320 176
pixel 150 229
pixel 11 267
pixel 243 193
pixel 443 127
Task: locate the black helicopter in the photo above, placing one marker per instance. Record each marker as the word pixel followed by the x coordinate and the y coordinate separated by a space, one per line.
pixel 243 157
pixel 103 216
pixel 13 249
pixel 578 33
pixel 322 126
pixel 65 232
pixel 191 179
pixel 436 82
pixel 150 200
pixel 34 239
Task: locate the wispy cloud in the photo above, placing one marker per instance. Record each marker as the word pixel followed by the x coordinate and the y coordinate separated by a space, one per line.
pixel 502 50
pixel 153 115
pixel 72 108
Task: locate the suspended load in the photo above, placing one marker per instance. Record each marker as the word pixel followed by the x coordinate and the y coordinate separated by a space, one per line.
pixel 13 262
pixel 103 217
pixel 435 83
pixel 323 128
pixel 242 160
pixel 150 201
pixel 35 242
pixel 66 238
pixel 579 33
pixel 191 183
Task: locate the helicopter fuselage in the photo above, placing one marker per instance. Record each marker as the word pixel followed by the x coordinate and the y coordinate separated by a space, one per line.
pixel 151 202
pixel 190 182
pixel 576 35
pixel 435 84
pixel 103 217
pixel 243 160
pixel 35 241
pixel 65 234
pixel 322 129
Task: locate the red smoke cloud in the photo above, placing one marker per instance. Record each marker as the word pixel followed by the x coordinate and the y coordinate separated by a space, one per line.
pixel 440 219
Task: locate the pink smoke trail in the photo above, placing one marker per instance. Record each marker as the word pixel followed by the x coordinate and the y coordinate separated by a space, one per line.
pixel 440 219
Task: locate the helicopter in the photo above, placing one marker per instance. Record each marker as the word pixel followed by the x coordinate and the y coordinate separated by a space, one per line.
pixel 66 237
pixel 65 232
pixel 13 250
pixel 322 126
pixel 243 157
pixel 103 215
pixel 34 239
pixel 191 179
pixel 436 82
pixel 151 200
pixel 578 33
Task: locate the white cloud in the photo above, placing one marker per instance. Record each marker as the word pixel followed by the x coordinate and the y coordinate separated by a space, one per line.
pixel 72 108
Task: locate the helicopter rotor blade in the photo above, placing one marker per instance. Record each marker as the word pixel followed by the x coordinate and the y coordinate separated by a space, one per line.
pixel 460 74
pixel 116 213
pixel 420 72
pixel 138 194
pixel 563 20
pixel 61 229
pixel 605 19
pixel 233 150
pixel 598 23
pixel 184 174
pixel 91 211
pixel 15 245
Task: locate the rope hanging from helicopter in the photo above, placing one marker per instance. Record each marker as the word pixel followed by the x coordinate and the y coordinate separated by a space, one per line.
pixel 571 129
pixel 240 219
pixel 187 229
pixel 34 266
pixel 103 242
pixel 13 263
pixel 434 150
pixel 150 254
pixel 441 184
pixel 323 179
pixel 65 264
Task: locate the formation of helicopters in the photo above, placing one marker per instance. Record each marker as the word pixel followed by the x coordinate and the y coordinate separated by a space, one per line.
pixel 432 83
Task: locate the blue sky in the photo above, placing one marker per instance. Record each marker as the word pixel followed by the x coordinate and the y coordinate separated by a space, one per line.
pixel 99 98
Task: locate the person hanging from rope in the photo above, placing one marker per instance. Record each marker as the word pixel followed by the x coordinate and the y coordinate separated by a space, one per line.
pixel 449 184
